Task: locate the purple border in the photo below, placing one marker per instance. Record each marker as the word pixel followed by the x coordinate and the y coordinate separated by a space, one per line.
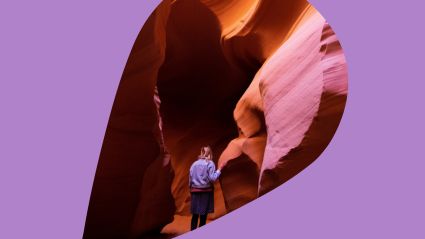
pixel 60 64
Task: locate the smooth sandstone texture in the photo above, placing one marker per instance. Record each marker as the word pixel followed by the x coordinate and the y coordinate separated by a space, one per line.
pixel 263 82
pixel 134 172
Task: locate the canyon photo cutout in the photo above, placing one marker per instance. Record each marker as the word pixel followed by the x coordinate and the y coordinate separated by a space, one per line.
pixel 263 82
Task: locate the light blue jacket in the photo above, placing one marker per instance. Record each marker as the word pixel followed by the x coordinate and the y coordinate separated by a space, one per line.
pixel 202 173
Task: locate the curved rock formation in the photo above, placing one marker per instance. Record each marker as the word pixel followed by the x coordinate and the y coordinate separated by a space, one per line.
pixel 134 172
pixel 264 82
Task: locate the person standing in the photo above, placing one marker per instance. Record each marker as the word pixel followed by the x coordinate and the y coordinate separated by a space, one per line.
pixel 202 175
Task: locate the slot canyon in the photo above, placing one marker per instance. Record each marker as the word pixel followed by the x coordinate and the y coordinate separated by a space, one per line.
pixel 263 82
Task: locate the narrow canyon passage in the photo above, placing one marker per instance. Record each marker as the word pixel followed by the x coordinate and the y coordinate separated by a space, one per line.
pixel 263 82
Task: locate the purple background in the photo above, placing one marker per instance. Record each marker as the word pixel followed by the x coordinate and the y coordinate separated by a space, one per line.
pixel 60 64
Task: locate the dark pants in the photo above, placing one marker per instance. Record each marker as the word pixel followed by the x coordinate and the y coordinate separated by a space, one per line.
pixel 194 223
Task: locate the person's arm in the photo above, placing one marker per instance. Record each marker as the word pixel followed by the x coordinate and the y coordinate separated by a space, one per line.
pixel 190 176
pixel 212 173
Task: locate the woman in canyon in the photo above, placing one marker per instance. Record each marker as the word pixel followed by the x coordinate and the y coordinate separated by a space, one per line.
pixel 202 175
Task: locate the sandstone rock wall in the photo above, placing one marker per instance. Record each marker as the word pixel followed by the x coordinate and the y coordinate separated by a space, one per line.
pixel 263 82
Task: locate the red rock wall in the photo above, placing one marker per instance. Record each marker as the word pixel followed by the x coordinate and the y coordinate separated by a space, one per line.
pixel 300 91
pixel 263 82
pixel 134 174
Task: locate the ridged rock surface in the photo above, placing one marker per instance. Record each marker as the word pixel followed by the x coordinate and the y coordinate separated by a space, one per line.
pixel 264 82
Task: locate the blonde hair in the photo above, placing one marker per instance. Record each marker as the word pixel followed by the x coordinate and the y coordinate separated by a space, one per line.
pixel 206 152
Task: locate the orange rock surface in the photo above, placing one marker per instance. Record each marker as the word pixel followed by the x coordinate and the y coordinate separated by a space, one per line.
pixel 263 82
